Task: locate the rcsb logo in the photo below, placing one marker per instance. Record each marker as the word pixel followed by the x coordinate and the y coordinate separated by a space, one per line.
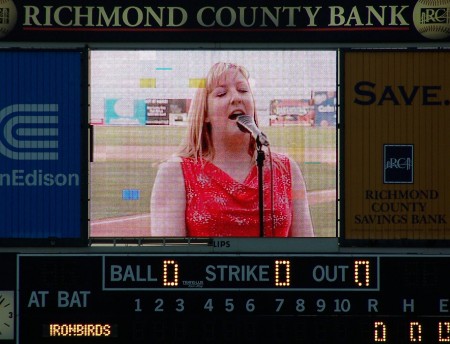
pixel 30 132
pixel 398 164
pixel 432 18
pixel 8 17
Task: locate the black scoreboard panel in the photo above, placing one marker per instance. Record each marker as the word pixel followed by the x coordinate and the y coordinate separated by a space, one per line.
pixel 305 298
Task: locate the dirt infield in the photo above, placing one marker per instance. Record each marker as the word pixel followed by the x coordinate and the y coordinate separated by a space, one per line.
pixel 139 225
pixel 160 153
pixel 125 226
pixel 127 153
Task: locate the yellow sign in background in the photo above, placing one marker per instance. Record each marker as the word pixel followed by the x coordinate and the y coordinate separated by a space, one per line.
pixel 399 100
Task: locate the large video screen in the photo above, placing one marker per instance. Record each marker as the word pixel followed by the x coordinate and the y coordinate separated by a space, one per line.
pixel 194 143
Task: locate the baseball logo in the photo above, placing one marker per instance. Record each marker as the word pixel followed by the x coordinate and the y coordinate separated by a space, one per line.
pixel 432 18
pixel 8 17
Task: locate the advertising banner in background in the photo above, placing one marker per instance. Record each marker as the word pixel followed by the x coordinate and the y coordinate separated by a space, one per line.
pixel 41 176
pixel 396 145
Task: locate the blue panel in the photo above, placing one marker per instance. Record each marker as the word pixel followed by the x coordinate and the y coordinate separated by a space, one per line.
pixel 40 144
pixel 131 194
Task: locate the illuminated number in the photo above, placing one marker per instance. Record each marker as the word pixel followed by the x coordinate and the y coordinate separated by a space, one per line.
pixel 280 303
pixel 180 305
pixel 159 305
pixel 321 305
pixel 250 305
pixel 380 332
pixel 138 305
pixel 341 305
pixel 444 331
pixel 300 305
pixel 170 273
pixel 415 332
pixel 282 273
pixel 208 305
pixel 229 306
pixel 362 267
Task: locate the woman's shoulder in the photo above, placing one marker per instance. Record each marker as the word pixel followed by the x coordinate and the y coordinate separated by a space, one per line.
pixel 180 166
pixel 282 158
pixel 174 158
pixel 193 162
pixel 170 167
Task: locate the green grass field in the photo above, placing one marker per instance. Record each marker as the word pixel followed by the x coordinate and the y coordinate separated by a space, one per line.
pixel 128 157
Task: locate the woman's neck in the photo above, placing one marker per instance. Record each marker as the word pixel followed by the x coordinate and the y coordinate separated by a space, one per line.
pixel 232 150
pixel 232 155
pixel 236 163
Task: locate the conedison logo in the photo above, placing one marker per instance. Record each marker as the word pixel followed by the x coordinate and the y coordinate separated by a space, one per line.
pixel 29 133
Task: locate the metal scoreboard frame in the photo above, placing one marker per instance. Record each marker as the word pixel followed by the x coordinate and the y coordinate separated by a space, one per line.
pixel 116 298
pixel 37 159
pixel 382 279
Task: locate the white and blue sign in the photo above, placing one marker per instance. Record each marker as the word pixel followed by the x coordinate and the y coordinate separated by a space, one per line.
pixel 40 145
pixel 120 112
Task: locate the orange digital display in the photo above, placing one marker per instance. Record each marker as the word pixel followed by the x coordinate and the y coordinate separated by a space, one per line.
pixel 80 330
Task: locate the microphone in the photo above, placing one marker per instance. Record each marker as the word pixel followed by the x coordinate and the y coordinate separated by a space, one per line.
pixel 247 125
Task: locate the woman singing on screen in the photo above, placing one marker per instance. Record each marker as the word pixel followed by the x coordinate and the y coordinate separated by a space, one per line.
pixel 211 188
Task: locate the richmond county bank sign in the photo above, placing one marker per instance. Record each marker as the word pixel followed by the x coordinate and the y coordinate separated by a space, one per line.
pixel 288 21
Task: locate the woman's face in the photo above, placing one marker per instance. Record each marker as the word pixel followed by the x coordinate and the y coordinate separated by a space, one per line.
pixel 231 97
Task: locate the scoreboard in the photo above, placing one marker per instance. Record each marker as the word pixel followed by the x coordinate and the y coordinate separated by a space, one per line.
pixel 80 148
pixel 128 298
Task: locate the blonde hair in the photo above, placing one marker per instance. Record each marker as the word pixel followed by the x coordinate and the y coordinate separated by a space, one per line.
pixel 198 142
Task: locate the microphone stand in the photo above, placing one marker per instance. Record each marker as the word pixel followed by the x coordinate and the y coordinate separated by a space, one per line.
pixel 260 157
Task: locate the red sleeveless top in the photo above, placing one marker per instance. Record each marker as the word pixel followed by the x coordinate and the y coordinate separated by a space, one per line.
pixel 219 206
